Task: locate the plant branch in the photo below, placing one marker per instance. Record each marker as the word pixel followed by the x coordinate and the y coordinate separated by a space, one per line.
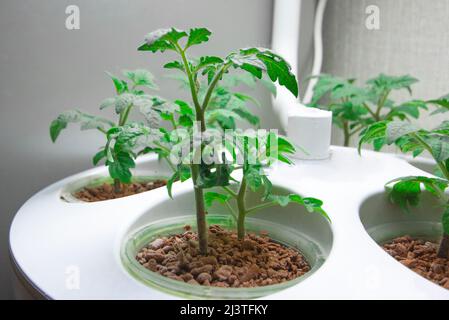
pixel 102 130
pixel 191 80
pixel 261 206
pixel 381 104
pixel 124 116
pixel 212 85
pixel 229 190
pixel 172 167
pixel 440 164
pixel 369 109
pixel 241 209
pixel 233 213
pixel 346 133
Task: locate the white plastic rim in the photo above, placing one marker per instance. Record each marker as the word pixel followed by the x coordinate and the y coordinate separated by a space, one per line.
pixel 313 253
pixel 88 238
pixel 67 193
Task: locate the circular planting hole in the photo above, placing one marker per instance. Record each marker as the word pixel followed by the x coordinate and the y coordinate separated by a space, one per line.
pixel 101 188
pixel 411 238
pixel 292 232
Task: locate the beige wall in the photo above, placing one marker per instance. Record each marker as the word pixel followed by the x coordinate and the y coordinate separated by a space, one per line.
pixel 413 38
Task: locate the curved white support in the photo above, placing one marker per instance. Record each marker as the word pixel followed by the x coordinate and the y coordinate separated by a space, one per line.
pixel 317 48
pixel 285 41
pixel 309 129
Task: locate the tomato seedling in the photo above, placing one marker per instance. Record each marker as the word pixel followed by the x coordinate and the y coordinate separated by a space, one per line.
pixel 356 107
pixel 203 77
pixel 129 95
pixel 406 191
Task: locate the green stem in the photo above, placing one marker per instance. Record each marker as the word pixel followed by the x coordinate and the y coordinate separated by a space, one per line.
pixel 102 130
pixel 234 215
pixel 199 113
pixel 229 190
pixel 355 130
pixel 212 85
pixel 173 123
pixel 346 135
pixel 124 115
pixel 369 110
pixel 443 249
pixel 241 210
pixel 117 186
pixel 261 206
pixel 162 147
pixel 195 168
pixel 200 211
pixel 172 167
pixel 381 104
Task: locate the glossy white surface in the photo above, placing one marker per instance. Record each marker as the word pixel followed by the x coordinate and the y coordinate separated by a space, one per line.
pixel 311 129
pixel 48 235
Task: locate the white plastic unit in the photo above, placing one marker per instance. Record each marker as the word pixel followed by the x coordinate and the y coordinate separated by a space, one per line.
pixel 53 241
pixel 308 128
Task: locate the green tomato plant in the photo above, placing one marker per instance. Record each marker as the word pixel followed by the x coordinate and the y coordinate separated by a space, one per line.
pixel 254 178
pixel 129 95
pixel 355 107
pixel 205 112
pixel 227 105
pixel 406 191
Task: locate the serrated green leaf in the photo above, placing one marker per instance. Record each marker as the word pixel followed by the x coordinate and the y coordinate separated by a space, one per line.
pixel 106 103
pixel 211 197
pixel 185 121
pixel 120 85
pixel 398 129
pixel 385 82
pixel 174 65
pixel 162 39
pixel 439 145
pixel 173 179
pixel 98 156
pixel 197 36
pixel 214 175
pixel 184 108
pixel 120 167
pixel 123 101
pixel 253 177
pixel 311 204
pixel 258 60
pixel 206 61
pixel 406 191
pixel 86 121
pixel 141 77
pixel 411 108
pixel 246 98
pixel 371 133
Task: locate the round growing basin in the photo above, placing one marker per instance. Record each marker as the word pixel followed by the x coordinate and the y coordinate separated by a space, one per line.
pixel 291 226
pixel 68 192
pixel 384 220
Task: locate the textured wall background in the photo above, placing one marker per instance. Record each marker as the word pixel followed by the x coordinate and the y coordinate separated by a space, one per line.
pixel 413 38
pixel 45 68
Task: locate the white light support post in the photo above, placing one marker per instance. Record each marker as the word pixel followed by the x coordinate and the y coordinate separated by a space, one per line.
pixel 308 128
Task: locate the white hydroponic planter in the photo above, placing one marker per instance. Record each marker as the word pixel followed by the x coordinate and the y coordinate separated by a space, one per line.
pixel 73 250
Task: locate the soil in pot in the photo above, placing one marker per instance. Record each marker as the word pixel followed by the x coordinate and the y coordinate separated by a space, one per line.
pixel 420 256
pixel 105 191
pixel 255 261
